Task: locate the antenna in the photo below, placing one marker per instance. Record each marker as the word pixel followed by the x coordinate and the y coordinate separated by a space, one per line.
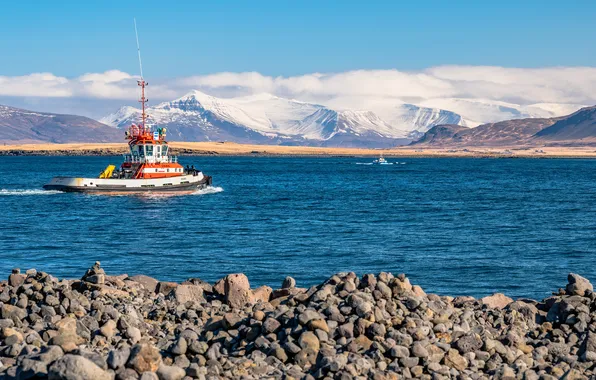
pixel 141 82
pixel 138 48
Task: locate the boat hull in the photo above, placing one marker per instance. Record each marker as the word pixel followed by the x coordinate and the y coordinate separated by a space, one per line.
pixel 187 183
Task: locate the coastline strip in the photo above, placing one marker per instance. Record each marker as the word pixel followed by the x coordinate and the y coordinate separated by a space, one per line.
pixel 233 149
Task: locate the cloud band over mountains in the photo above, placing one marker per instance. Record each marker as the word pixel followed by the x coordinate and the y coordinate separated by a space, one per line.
pixel 515 85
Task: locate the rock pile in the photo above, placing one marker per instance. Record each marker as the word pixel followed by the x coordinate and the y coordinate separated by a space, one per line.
pixel 376 326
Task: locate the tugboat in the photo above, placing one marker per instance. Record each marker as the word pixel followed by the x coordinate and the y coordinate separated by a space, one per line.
pixel 147 168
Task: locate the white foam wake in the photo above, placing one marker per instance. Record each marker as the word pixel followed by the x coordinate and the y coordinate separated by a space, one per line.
pixel 156 195
pixel 209 190
pixel 28 192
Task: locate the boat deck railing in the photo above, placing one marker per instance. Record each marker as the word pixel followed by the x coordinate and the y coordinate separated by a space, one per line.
pixel 128 158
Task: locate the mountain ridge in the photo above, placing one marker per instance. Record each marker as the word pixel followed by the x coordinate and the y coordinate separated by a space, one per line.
pixel 18 125
pixel 578 127
pixel 268 118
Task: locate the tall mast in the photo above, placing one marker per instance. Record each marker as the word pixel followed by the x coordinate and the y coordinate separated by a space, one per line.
pixel 141 82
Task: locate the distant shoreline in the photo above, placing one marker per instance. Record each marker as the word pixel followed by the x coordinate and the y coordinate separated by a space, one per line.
pixel 233 149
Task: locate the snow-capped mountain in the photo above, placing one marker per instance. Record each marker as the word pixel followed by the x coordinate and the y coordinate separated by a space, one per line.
pixel 480 111
pixel 262 118
pixel 265 118
pixel 400 115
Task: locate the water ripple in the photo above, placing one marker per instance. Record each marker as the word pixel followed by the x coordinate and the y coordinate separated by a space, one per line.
pixel 455 226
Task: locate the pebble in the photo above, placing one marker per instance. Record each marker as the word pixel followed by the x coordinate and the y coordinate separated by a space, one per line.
pixel 377 326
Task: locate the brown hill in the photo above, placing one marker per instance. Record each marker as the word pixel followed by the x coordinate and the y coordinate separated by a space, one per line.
pixel 578 128
pixel 580 125
pixel 23 126
pixel 441 133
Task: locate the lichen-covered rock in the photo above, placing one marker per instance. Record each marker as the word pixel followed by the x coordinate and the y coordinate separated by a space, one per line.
pixel 454 360
pixel 144 358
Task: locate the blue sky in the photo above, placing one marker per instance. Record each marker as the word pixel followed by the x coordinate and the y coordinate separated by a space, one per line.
pixel 183 38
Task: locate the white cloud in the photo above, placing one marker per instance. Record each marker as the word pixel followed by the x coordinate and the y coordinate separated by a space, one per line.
pixel 523 86
pixel 539 85
pixel 38 84
pixel 526 86
pixel 111 76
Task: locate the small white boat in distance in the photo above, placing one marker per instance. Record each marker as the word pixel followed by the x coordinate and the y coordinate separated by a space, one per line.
pixel 381 161
pixel 378 161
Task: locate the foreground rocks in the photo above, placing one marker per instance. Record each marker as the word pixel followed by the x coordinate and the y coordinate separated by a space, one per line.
pixel 374 326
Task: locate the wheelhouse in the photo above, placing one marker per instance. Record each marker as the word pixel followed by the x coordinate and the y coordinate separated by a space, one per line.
pixel 149 154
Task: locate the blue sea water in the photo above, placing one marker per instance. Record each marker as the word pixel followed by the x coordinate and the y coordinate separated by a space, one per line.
pixel 454 226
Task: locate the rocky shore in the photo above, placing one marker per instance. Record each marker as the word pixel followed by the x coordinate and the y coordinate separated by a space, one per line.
pixel 370 327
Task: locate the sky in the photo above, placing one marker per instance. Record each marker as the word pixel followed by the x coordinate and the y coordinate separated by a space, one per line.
pixel 67 49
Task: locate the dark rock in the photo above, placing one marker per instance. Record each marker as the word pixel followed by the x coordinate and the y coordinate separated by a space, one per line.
pixel 180 347
pixel 288 282
pixel 271 325
pixel 74 367
pixel 165 287
pixel 468 343
pixel 117 358
pixel 31 369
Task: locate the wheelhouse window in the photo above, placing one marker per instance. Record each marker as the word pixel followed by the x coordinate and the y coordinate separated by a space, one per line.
pixel 164 150
pixel 140 151
pixel 149 150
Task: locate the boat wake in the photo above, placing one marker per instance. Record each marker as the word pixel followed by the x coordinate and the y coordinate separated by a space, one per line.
pixel 6 192
pixel 388 163
pixel 156 195
pixel 209 190
pixel 370 163
pixel 160 194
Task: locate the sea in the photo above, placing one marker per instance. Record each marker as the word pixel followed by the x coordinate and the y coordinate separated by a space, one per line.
pixel 455 226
